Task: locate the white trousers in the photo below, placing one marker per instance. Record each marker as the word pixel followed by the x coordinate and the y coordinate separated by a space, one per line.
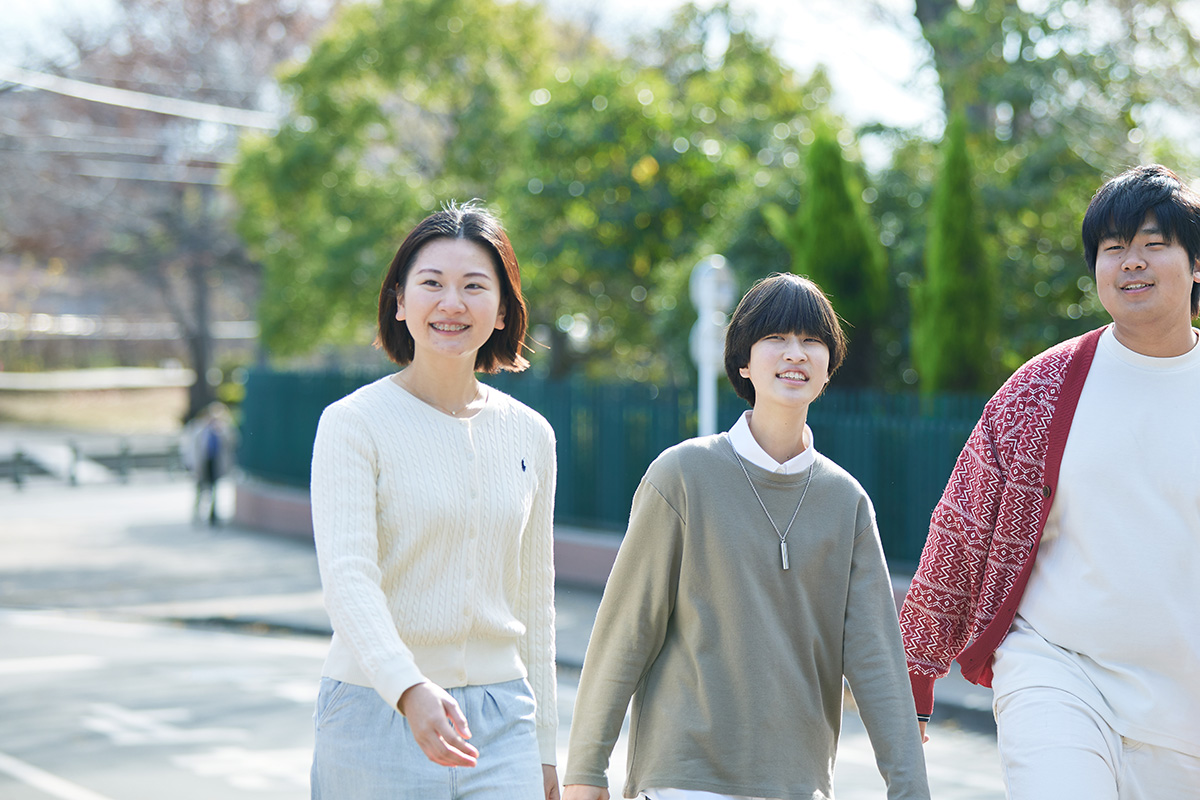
pixel 1053 745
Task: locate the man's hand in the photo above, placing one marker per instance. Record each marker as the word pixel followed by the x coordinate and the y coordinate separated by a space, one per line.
pixel 438 725
pixel 550 780
pixel 924 735
pixel 581 791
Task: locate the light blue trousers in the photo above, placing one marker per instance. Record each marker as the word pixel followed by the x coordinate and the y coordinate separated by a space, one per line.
pixel 366 751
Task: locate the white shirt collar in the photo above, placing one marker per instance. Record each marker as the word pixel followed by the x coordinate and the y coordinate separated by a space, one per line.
pixel 747 447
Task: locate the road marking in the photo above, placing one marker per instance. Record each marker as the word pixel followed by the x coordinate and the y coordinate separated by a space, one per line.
pixel 314 647
pixel 64 622
pixel 127 727
pixel 44 781
pixel 228 606
pixel 251 770
pixel 74 663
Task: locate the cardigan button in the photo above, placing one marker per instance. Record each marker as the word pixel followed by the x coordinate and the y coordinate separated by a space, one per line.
pixel 1046 491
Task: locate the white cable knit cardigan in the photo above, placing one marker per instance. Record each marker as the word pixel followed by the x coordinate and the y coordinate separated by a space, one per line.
pixel 434 538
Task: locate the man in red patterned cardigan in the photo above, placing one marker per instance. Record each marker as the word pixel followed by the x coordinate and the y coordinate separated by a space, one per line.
pixel 1062 566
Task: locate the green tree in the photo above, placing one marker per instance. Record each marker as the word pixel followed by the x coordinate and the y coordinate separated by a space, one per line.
pixel 390 95
pixel 953 321
pixel 834 242
pixel 640 167
pixel 1056 95
pixel 613 175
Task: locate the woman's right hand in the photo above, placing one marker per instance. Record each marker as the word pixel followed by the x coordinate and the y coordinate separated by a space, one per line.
pixel 438 725
pixel 581 791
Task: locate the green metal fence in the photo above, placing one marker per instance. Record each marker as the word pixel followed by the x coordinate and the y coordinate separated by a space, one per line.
pixel 900 447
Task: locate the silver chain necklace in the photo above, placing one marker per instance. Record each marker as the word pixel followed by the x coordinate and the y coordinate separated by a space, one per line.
pixel 782 536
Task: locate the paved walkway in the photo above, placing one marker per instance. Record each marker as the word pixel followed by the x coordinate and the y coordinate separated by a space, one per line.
pixel 130 552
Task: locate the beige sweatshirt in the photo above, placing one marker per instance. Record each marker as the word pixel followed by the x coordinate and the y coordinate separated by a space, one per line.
pixel 734 665
pixel 435 543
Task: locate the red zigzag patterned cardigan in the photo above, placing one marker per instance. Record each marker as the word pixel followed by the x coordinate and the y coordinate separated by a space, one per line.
pixel 985 530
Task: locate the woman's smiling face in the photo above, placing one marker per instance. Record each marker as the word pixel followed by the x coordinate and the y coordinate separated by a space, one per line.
pixel 451 299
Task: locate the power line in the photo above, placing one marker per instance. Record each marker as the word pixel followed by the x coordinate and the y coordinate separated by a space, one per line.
pixel 126 98
pixel 84 149
pixel 57 128
pixel 44 145
pixel 154 173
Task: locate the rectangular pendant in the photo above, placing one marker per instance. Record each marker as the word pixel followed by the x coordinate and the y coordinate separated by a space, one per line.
pixel 783 553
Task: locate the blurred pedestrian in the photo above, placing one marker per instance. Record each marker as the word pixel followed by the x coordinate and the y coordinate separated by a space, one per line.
pixel 208 447
pixel 750 583
pixel 1061 562
pixel 433 499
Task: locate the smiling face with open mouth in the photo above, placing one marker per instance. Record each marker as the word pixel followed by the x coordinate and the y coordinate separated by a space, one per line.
pixel 788 369
pixel 451 301
pixel 1145 284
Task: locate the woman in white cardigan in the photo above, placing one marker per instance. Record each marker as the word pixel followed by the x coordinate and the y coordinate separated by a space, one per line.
pixel 433 499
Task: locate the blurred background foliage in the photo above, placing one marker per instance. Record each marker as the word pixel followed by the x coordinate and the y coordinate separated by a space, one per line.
pixel 615 170
pixel 617 165
pixel 954 331
pixel 1057 95
pixel 612 173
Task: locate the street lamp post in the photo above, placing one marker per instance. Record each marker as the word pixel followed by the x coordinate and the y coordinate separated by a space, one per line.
pixel 713 290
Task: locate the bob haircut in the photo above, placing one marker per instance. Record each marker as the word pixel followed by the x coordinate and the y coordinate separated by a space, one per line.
pixel 502 351
pixel 780 303
pixel 1121 204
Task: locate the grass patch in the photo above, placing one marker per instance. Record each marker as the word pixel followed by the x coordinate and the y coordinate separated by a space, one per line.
pixel 157 410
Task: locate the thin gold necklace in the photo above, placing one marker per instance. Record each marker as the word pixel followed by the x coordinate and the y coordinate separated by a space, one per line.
pixel 782 536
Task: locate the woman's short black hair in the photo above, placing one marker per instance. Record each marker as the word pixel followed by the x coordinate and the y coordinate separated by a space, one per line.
pixel 502 351
pixel 1119 207
pixel 780 303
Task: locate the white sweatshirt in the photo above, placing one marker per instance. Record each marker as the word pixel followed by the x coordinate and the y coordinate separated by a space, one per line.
pixel 1112 609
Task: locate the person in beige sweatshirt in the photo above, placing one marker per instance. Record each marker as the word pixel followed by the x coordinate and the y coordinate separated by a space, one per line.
pixel 433 501
pixel 750 582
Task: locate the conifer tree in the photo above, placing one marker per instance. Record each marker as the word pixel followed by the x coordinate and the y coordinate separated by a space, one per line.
pixel 953 322
pixel 834 244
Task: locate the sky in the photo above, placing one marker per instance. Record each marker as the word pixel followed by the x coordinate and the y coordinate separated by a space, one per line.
pixel 25 21
pixel 877 66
